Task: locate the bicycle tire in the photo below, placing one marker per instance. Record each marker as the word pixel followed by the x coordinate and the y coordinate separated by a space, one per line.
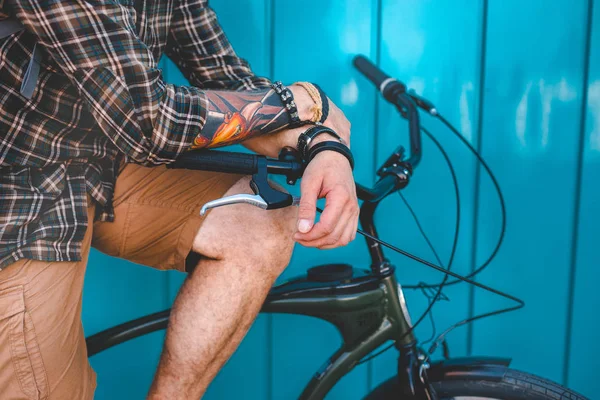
pixel 515 385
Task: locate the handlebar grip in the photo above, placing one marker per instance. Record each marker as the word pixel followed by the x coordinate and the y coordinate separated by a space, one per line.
pixel 387 86
pixel 218 161
pixel 370 70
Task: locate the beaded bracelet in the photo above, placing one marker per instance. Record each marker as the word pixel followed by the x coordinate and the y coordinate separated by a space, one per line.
pixel 288 101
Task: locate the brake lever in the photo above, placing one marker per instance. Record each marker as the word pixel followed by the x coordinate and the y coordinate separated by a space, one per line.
pixel 252 199
pixel 264 196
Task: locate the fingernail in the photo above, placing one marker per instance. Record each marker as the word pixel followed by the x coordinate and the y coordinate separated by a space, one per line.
pixel 304 225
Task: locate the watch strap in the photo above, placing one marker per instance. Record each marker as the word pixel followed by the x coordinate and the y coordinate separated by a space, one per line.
pixel 307 136
pixel 331 146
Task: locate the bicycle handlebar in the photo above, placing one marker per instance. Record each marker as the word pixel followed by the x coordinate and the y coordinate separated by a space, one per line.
pixel 236 163
pixel 218 161
pixel 394 91
pixel 249 164
pixel 387 86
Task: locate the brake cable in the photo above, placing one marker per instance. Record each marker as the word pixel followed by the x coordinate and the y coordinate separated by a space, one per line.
pixel 440 286
pixel 520 303
pixel 496 185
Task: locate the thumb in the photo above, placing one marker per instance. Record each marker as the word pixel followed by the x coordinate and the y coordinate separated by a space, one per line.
pixel 309 191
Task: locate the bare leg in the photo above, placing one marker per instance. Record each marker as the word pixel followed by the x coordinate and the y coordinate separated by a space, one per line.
pixel 246 249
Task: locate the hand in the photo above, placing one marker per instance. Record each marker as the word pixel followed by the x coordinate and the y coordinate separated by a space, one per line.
pixel 328 175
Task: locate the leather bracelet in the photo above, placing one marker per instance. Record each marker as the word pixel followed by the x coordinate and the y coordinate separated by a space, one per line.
pixel 331 146
pixel 307 136
pixel 324 103
pixel 317 107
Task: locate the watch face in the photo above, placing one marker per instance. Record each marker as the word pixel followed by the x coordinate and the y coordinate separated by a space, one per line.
pixel 302 144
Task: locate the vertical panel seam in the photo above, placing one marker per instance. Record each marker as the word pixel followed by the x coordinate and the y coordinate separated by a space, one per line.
pixel 577 206
pixel 378 29
pixel 378 34
pixel 481 98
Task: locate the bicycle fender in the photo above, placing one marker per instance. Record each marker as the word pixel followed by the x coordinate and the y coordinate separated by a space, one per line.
pixel 492 368
pixel 489 368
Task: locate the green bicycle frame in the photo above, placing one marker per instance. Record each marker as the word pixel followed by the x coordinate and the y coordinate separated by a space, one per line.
pixel 367 310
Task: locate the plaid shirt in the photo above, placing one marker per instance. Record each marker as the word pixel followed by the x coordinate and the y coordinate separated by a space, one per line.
pixel 100 99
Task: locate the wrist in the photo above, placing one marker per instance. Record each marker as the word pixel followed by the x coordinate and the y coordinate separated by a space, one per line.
pixel 303 102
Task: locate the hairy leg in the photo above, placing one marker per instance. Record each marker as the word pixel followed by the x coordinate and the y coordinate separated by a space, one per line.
pixel 244 250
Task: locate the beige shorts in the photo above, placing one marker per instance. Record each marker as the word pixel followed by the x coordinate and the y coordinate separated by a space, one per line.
pixel 42 345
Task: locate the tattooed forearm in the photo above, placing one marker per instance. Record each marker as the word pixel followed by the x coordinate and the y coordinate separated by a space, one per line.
pixel 236 116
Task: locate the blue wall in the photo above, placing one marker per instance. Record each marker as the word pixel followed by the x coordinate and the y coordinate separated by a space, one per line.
pixel 521 79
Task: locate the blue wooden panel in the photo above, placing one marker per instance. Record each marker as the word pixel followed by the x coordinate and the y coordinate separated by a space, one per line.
pixel 424 46
pixel 584 346
pixel 126 371
pixel 530 136
pixel 117 291
pixel 315 41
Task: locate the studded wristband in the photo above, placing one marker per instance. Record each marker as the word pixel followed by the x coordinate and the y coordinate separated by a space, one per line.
pixel 288 102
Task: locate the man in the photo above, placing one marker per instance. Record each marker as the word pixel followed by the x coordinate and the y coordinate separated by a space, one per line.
pixel 82 154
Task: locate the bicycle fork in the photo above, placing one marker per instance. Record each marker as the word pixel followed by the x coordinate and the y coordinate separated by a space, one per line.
pixel 412 364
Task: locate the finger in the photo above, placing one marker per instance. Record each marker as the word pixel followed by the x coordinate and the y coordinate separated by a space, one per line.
pixel 329 240
pixel 355 225
pixel 335 203
pixel 309 190
pixel 344 232
pixel 344 239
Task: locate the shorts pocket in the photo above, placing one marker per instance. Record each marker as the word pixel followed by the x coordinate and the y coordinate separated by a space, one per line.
pixel 18 334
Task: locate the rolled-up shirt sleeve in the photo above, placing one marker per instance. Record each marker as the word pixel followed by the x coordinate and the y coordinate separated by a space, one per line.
pixel 201 50
pixel 95 45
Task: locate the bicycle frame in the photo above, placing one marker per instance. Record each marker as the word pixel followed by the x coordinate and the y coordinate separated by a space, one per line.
pixel 368 309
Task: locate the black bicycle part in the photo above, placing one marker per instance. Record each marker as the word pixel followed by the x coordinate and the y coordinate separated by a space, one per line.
pixel 329 273
pixel 441 286
pixel 126 331
pixel 496 185
pixel 299 287
pixel 260 185
pixel 486 378
pixel 387 86
pixel 430 108
pixel 413 379
pixel 394 91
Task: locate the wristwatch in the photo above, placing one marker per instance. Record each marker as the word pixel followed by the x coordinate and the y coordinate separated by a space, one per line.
pixel 307 136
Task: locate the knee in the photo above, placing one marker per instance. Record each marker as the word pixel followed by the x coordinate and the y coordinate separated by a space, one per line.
pixel 269 244
pixel 253 241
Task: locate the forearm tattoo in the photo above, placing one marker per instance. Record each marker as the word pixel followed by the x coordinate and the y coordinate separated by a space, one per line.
pixel 236 116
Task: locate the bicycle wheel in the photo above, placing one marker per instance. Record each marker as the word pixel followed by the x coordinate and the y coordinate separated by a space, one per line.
pixel 515 385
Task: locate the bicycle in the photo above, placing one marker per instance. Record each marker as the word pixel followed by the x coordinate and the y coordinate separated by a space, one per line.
pixel 366 306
